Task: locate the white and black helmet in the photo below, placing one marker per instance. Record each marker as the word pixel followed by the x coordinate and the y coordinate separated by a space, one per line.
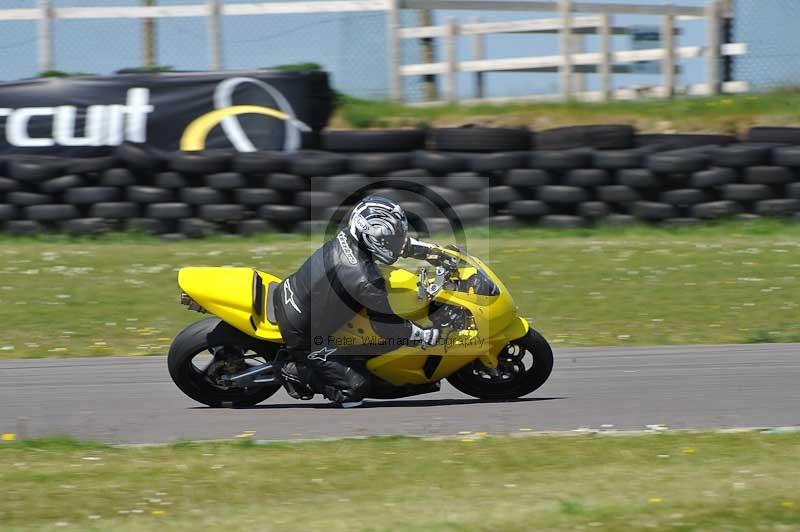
pixel 380 226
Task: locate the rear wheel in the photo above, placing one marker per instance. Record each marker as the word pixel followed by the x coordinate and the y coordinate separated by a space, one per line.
pixel 196 367
pixel 524 365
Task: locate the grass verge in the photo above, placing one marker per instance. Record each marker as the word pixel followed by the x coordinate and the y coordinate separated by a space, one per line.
pixel 723 114
pixel 732 283
pixel 675 481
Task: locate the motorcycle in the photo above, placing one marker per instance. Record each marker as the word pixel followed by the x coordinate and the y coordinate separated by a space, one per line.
pixel 485 349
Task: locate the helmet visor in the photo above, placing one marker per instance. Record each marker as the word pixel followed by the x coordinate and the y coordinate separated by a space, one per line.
pixel 387 248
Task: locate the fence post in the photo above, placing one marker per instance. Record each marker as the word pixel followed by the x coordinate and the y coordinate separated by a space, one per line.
pixel 606 64
pixel 565 41
pixel 394 48
pixel 713 63
pixel 728 14
pixel 428 56
pixel 214 36
pixel 451 60
pixel 45 37
pixel 578 46
pixel 668 63
pixel 148 37
pixel 478 53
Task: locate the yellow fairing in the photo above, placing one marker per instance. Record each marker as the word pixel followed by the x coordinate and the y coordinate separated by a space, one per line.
pixel 496 324
pixel 228 294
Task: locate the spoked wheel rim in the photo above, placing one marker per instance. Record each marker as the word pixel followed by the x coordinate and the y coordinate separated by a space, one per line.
pixel 193 364
pixel 523 366
pixel 514 363
pixel 207 366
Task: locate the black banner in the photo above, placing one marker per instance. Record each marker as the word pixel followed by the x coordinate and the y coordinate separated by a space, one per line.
pixel 81 116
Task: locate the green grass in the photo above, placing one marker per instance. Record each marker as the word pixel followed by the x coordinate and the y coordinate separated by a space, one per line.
pixel 676 481
pixel 732 283
pixel 722 114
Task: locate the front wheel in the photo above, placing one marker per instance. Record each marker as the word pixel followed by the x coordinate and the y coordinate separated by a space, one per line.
pixel 196 367
pixel 524 366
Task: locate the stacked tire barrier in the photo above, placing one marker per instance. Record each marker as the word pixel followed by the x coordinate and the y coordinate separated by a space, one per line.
pixel 568 177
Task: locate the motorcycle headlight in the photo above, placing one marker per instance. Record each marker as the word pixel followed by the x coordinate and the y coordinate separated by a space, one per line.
pixel 480 284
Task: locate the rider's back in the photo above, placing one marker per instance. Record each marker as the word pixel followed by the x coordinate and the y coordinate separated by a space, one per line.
pixel 333 284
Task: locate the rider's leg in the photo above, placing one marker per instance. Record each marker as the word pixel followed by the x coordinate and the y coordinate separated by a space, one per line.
pixel 297 379
pixel 295 376
pixel 341 378
pixel 337 377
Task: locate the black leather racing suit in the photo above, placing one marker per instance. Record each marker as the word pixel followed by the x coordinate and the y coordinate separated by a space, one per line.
pixel 333 285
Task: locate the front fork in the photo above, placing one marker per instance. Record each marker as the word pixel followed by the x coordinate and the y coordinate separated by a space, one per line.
pixel 518 328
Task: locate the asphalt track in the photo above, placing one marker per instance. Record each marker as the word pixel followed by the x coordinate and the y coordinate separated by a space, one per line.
pixel 133 400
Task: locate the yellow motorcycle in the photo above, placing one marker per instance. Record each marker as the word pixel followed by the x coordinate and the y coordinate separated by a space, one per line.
pixel 485 350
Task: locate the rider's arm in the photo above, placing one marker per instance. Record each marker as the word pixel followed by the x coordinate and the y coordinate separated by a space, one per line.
pixel 417 249
pixel 374 298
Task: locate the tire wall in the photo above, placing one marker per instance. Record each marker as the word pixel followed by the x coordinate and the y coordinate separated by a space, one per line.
pixel 570 177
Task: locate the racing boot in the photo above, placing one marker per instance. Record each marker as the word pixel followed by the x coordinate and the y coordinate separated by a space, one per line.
pixel 349 404
pixel 296 379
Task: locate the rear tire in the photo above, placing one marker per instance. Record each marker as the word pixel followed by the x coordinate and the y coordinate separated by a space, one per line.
pixel 472 380
pixel 193 341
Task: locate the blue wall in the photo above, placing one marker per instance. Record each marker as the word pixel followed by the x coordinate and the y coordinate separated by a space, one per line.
pixel 771 29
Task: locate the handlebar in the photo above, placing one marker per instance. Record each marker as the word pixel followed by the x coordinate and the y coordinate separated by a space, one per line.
pixel 430 289
pixel 445 264
pixel 422 283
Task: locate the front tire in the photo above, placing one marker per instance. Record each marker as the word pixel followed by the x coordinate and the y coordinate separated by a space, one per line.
pixel 525 365
pixel 196 383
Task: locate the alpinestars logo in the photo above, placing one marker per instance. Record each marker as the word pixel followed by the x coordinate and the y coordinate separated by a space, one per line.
pixel 288 296
pixel 342 238
pixel 322 354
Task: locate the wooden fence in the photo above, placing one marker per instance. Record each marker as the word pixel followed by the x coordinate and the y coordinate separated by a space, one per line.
pixel 574 20
pixel 572 62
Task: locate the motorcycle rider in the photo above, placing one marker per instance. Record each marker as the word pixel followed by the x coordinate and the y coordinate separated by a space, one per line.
pixel 336 282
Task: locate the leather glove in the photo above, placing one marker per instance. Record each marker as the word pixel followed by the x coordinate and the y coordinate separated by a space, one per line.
pixel 439 258
pixel 427 337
